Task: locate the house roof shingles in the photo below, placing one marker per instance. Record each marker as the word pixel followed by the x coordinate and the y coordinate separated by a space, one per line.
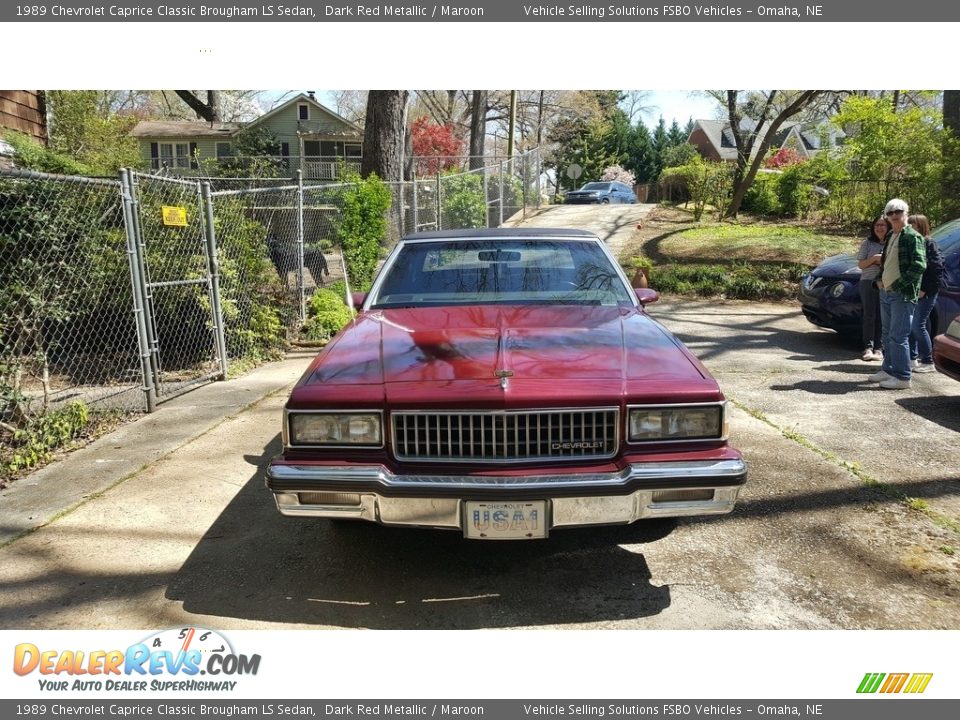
pixel 183 128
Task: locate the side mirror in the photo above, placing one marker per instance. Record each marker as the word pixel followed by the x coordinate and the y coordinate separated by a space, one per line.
pixel 646 295
pixel 358 299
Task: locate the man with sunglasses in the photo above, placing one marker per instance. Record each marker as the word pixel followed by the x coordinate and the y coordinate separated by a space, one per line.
pixel 903 263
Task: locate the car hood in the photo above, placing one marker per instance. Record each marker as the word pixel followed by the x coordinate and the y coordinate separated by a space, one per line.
pixel 598 350
pixel 837 266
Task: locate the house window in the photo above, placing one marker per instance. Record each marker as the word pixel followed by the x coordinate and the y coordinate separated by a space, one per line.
pixel 224 150
pixel 303 111
pixel 354 151
pixel 175 155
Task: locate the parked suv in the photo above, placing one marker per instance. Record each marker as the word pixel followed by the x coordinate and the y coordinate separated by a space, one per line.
pixel 602 192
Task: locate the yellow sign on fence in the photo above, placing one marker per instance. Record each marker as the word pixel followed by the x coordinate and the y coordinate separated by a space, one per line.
pixel 174 215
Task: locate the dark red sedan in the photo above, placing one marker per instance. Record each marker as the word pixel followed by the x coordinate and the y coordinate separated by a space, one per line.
pixel 505 383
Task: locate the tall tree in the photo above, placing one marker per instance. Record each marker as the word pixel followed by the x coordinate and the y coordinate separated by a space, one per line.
pixel 478 127
pixel 384 134
pixel 951 153
pixel 675 134
pixel 753 139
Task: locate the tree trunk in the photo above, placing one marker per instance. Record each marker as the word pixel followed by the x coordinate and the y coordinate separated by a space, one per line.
pixel 748 161
pixel 208 111
pixel 478 128
pixel 384 134
pixel 951 154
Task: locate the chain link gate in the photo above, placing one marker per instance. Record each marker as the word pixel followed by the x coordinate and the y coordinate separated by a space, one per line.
pixel 174 272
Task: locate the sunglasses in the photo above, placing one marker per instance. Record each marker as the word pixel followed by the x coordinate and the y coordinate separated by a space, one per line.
pixel 894 212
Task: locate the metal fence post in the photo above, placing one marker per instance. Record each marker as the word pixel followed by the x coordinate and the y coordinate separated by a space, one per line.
pixel 414 204
pixel 526 185
pixel 500 177
pixel 136 287
pixel 144 278
pixel 213 265
pixel 439 204
pixel 301 290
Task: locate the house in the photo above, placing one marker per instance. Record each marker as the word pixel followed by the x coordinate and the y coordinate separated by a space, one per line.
pixel 714 138
pixel 309 136
pixel 24 111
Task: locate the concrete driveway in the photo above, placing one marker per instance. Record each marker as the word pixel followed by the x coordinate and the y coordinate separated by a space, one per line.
pixel 822 538
pixel 614 224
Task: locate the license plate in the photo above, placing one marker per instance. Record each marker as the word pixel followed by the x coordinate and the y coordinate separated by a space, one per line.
pixel 506 520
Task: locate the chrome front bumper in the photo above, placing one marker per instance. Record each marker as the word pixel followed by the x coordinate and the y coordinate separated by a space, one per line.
pixel 665 489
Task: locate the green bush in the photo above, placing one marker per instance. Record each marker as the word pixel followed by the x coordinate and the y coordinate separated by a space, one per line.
pixel 763 196
pixel 795 191
pixel 327 314
pixel 31 155
pixel 704 182
pixel 362 227
pixel 36 440
pixel 463 201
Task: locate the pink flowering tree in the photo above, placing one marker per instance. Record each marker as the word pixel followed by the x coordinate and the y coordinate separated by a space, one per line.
pixel 615 173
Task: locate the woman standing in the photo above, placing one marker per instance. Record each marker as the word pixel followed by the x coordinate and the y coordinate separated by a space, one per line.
pixel 868 260
pixel 921 347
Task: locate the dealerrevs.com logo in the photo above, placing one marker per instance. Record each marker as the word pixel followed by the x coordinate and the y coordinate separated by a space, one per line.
pixel 169 660
pixel 910 683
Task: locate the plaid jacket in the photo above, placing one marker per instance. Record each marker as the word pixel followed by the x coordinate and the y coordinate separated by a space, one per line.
pixel 912 256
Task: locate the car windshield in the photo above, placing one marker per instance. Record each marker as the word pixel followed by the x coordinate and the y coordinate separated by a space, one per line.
pixel 480 272
pixel 596 186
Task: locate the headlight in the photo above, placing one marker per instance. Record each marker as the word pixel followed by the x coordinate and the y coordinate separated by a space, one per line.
pixel 838 289
pixel 335 429
pixel 688 422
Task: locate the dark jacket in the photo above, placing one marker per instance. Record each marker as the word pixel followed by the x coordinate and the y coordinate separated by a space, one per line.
pixel 933 275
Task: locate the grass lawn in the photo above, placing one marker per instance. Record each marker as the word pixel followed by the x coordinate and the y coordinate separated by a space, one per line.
pixel 776 242
pixel 748 259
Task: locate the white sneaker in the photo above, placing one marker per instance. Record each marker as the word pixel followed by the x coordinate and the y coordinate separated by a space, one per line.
pixel 924 368
pixel 915 363
pixel 895 384
pixel 870 355
pixel 880 377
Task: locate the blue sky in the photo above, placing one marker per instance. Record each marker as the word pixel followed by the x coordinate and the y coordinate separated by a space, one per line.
pixel 680 105
pixel 671 104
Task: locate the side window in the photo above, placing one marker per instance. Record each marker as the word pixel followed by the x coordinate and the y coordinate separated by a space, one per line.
pixel 303 111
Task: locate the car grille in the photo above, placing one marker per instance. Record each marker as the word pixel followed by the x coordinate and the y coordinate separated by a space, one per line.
pixel 497 437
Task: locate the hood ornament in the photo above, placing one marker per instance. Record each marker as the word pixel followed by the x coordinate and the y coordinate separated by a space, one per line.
pixel 503 375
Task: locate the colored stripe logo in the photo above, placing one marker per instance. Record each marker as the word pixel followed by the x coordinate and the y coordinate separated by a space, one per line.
pixel 894 683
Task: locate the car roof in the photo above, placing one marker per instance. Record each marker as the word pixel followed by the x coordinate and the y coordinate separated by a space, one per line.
pixel 502 233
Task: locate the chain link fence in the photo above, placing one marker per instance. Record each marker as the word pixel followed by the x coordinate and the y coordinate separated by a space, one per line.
pixel 67 333
pixel 120 294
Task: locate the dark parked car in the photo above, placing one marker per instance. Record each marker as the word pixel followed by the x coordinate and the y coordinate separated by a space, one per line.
pixel 602 192
pixel 830 298
pixel 505 383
